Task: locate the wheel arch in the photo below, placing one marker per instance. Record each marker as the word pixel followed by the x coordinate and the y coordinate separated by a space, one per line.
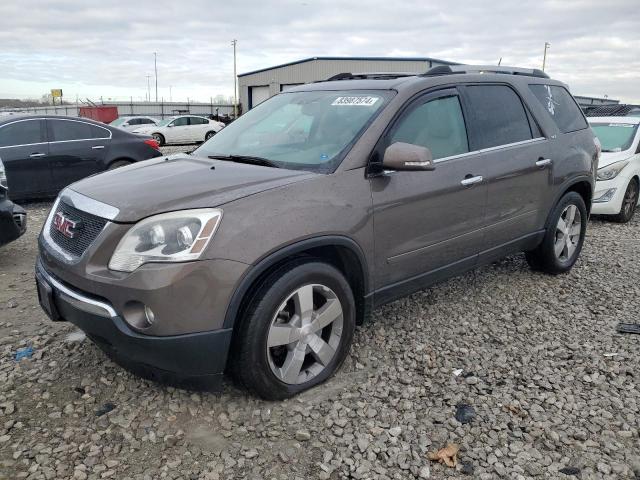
pixel 341 252
pixel 120 159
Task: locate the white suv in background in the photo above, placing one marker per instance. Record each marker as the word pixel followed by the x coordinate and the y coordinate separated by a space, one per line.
pixel 618 179
pixel 182 129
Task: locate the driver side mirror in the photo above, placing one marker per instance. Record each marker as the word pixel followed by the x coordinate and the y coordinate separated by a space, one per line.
pixel 171 125
pixel 407 157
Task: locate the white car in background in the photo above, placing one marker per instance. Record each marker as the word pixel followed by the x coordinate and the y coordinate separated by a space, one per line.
pixel 182 129
pixel 618 177
pixel 132 123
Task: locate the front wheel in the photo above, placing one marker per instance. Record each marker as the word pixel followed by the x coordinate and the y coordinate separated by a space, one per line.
pixel 564 236
pixel 629 203
pixel 159 138
pixel 209 135
pixel 296 332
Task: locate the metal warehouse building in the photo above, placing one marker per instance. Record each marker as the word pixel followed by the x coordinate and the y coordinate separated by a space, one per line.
pixel 255 87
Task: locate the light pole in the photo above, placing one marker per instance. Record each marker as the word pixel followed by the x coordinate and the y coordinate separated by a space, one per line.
pixel 235 79
pixel 544 58
pixel 148 88
pixel 155 67
pixel 170 100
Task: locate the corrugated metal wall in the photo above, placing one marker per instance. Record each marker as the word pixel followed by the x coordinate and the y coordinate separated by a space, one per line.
pixel 159 110
pixel 320 69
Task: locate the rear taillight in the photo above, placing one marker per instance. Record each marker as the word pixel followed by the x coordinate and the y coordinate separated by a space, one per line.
pixel 153 143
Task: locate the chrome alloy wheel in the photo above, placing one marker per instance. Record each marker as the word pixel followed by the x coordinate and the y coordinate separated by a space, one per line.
pixel 568 233
pixel 305 334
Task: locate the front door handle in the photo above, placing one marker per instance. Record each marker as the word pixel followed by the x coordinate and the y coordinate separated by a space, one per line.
pixel 543 162
pixel 468 181
pixel 97 147
pixel 37 155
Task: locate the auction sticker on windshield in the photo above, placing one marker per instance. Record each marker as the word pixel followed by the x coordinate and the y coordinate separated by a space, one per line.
pixel 355 101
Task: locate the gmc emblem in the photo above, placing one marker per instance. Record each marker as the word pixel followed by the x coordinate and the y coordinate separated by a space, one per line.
pixel 66 226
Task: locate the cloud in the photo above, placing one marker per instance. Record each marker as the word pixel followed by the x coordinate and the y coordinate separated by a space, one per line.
pixel 106 48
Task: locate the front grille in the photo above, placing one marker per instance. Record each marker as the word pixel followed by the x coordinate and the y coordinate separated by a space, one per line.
pixel 90 228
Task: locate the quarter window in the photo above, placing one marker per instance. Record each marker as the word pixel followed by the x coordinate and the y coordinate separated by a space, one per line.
pixel 64 130
pixel 559 103
pixel 498 114
pixel 21 133
pixel 437 125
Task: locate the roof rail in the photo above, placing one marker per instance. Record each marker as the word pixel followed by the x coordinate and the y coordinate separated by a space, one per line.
pixel 370 76
pixel 453 69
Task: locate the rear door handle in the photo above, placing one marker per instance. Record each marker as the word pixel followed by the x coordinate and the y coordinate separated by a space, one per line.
pixel 467 182
pixel 97 147
pixel 543 162
pixel 37 155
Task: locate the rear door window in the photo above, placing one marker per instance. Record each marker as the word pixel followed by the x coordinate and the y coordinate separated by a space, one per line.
pixel 498 116
pixel 437 124
pixel 561 106
pixel 21 133
pixel 65 130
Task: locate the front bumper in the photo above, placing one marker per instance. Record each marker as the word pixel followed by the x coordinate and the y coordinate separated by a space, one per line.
pixel 13 221
pixel 613 202
pixel 194 360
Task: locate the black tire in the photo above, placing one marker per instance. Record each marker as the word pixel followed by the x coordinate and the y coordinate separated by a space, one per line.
pixel 159 138
pixel 209 135
pixel 118 164
pixel 250 359
pixel 629 203
pixel 544 258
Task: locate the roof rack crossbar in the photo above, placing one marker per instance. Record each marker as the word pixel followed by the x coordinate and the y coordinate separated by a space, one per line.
pixel 453 69
pixel 369 76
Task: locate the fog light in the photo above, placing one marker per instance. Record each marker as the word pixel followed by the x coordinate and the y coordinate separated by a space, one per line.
pixel 606 196
pixel 138 315
pixel 149 314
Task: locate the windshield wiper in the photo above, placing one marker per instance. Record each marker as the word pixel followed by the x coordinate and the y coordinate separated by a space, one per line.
pixel 246 159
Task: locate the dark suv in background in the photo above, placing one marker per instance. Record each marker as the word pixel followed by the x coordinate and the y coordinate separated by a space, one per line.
pixel 13 218
pixel 44 154
pixel 262 250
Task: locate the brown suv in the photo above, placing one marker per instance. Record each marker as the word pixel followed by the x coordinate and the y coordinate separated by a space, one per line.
pixel 262 250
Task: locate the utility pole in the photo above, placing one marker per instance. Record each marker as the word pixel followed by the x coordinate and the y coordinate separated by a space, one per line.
pixel 148 88
pixel 544 58
pixel 170 98
pixel 155 67
pixel 235 79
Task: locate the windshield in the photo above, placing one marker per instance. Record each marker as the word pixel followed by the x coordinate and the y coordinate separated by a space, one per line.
pixel 615 137
pixel 165 122
pixel 118 121
pixel 301 130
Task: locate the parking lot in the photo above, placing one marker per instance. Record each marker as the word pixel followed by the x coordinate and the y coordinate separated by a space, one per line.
pixel 553 389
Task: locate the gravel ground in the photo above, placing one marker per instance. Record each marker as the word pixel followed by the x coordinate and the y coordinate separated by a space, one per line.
pixel 523 372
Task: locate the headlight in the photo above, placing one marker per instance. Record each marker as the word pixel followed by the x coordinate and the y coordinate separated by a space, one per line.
pixel 3 176
pixel 168 237
pixel 611 171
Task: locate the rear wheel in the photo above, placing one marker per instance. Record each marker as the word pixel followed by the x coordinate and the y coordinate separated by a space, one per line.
pixel 118 164
pixel 563 239
pixel 158 138
pixel 296 332
pixel 629 203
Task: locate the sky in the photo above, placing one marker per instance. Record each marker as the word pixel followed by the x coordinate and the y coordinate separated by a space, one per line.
pixel 94 49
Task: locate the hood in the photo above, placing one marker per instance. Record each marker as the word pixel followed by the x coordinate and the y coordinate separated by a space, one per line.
pixel 607 158
pixel 180 182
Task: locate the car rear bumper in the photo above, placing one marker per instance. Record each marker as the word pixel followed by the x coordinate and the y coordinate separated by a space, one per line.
pixel 13 221
pixel 194 360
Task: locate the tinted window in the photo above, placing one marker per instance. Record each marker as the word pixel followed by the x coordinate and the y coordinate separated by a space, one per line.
pixel 561 106
pixel 61 130
pixel 145 121
pixel 181 122
pixel 21 133
pixel 134 121
pixel 437 125
pixel 198 121
pixel 498 114
pixel 99 132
